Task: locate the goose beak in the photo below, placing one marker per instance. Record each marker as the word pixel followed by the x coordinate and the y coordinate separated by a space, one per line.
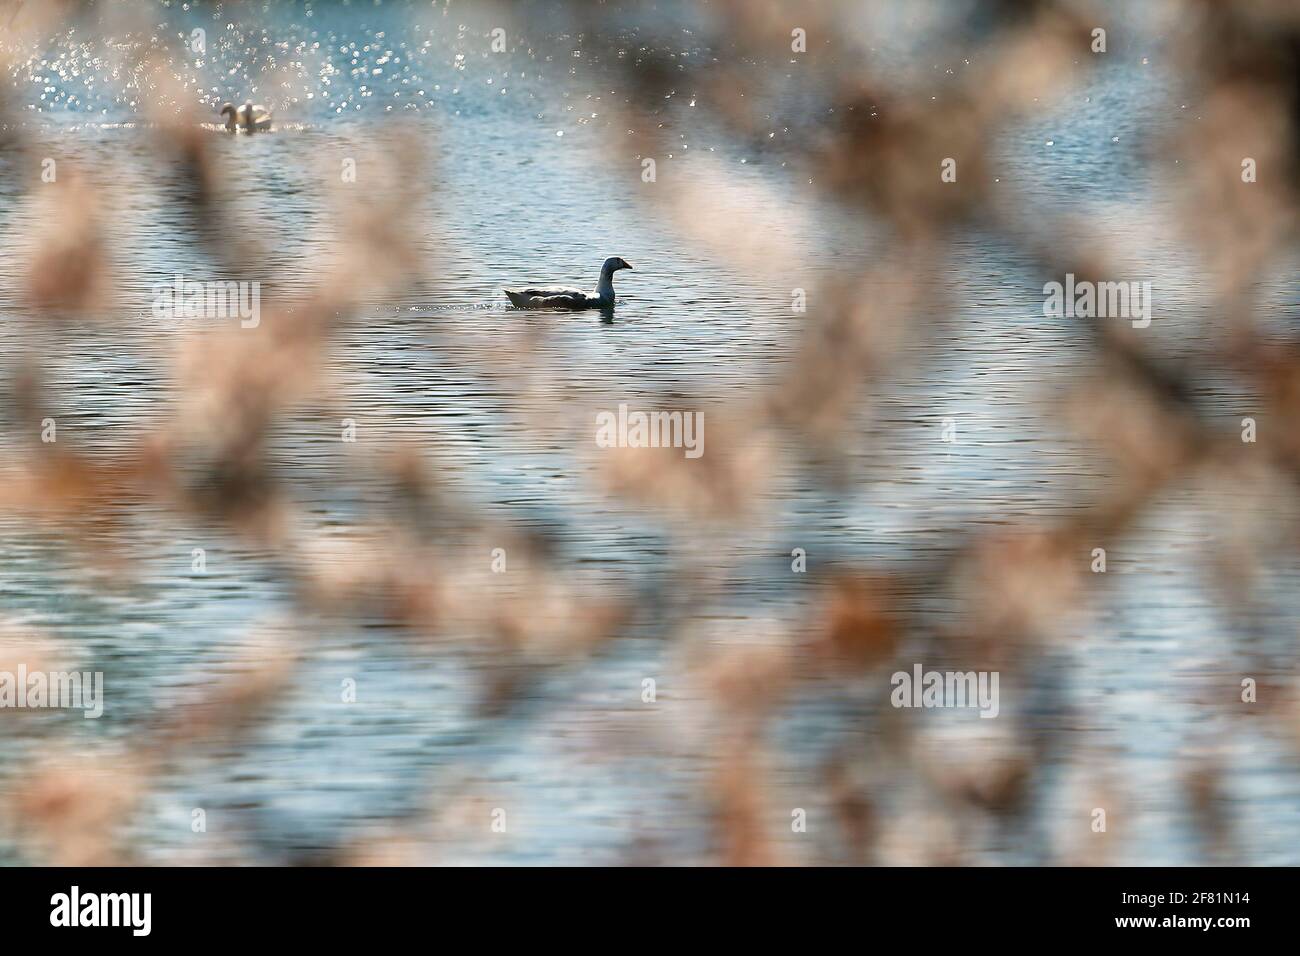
pixel 627 265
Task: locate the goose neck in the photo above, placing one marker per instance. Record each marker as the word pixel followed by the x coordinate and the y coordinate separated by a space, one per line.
pixel 605 288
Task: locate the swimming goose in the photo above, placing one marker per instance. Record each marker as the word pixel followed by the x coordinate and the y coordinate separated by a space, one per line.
pixel 561 298
pixel 249 118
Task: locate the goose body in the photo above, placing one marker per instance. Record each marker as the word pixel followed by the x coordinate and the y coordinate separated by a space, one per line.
pixel 559 297
pixel 248 118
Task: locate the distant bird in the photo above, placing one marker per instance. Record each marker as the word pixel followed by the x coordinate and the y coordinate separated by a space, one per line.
pixel 249 118
pixel 552 297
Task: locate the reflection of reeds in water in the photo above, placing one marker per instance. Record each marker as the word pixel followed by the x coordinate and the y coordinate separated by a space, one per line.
pixel 868 146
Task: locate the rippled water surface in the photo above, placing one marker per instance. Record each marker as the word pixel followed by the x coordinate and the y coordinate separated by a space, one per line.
pixel 523 186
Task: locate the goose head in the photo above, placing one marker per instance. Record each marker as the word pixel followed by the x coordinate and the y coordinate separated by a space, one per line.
pixel 614 263
pixel 228 111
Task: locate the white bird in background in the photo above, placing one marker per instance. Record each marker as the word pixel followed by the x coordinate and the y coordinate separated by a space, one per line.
pixel 551 297
pixel 249 118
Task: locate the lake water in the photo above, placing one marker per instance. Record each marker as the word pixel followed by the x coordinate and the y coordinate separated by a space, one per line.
pixel 523 185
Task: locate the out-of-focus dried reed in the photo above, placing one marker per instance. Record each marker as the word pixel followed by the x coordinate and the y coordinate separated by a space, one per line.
pixel 871 147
